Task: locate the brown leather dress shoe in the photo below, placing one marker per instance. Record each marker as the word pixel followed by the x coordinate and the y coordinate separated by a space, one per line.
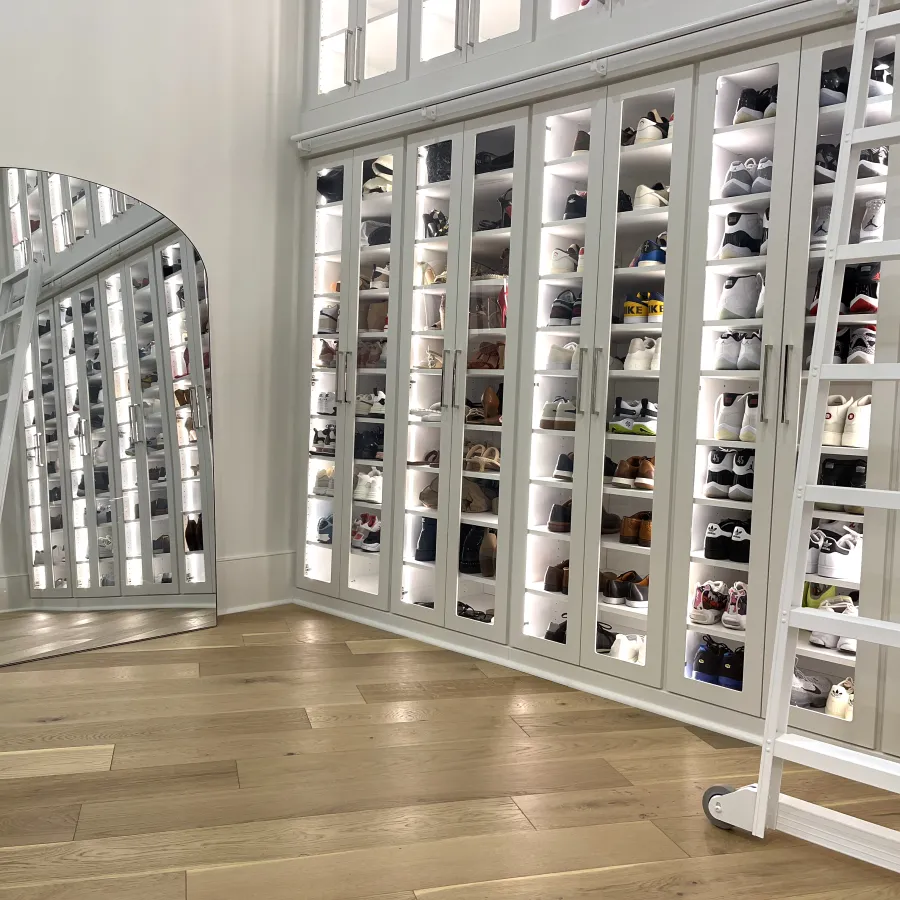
pixel 610 523
pixel 646 470
pixel 630 532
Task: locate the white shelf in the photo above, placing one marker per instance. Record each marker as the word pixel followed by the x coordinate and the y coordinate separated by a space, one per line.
pixel 831 118
pixel 698 557
pixel 477 579
pixel 848 319
pixel 366 504
pixel 439 244
pixel 719 631
pixel 556 373
pixel 834 515
pixel 642 218
pixel 419 564
pixel 378 463
pixel 723 504
pixel 491 240
pixel 373 335
pixel 486 332
pixel 561 330
pixel 866 188
pixel 574 168
pixel 728 445
pixel 645 154
pixel 612 543
pixel 834 582
pixel 808 651
pixel 475 426
pixel 733 324
pixel 567 228
pixel 485 519
pixel 744 266
pixel 483 476
pixel 640 273
pixel 731 374
pixel 423 511
pixel 559 432
pixel 642 329
pixel 743 203
pixel 485 373
pixel 747 139
pixel 622 612
pixel 634 438
pixel 634 375
pixel 538 588
pixel 844 451
pixel 544 531
pixel 566 279
pixel 627 492
pixel 369 420
pixel 547 481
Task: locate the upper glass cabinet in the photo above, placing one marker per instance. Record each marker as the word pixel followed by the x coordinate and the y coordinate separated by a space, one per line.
pixel 359 43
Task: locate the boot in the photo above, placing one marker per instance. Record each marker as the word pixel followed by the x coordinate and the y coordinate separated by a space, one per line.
pixel 426 546
pixel 469 546
pixel 487 555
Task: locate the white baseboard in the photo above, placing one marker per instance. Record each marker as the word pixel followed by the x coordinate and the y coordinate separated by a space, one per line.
pixel 268 579
pixel 654 700
pixel 14 593
pixel 252 607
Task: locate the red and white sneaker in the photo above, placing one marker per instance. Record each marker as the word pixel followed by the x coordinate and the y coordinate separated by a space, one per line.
pixel 735 616
pixel 864 297
pixel 710 600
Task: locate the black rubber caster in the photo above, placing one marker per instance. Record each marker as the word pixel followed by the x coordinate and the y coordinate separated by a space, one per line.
pixel 709 797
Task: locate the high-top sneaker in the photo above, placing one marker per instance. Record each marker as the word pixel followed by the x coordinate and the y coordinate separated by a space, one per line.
pixel 710 600
pixel 819 236
pixel 742 488
pixel 872 227
pixel 743 235
pixel 740 297
pixel 873 162
pixel 825 170
pixel 719 473
pixel 731 673
pixel 735 615
pixel 864 296
pixel 751 106
pixel 762 182
pixel 652 127
pixel 739 178
pixel 833 86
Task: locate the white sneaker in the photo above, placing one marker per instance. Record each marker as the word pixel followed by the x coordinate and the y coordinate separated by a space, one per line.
pixel 640 354
pixel 646 197
pixel 751 352
pixel 842 558
pixel 764 246
pixel 862 346
pixel 762 183
pixel 740 296
pixel 729 416
pixel 360 531
pixel 327 404
pixel 657 356
pixel 328 319
pixel 728 350
pixel 750 422
pixel 101 456
pixel 822 223
pixel 739 178
pixel 642 650
pixel 376 483
pixel 381 277
pixel 561 355
pixel 626 647
pixel 563 262
pixel 761 300
pixel 379 404
pixel 735 615
pixel 364 404
pixel 649 130
pixel 858 422
pixel 329 491
pixel 834 606
pixel 872 227
pixel 548 413
pixel 835 418
pixel 719 473
pixel 565 416
pixel 743 235
pixel 744 468
pixel 817 538
pixel 321 486
pixel 840 700
pixel 361 491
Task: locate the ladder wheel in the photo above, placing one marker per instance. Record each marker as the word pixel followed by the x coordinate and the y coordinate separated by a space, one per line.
pixel 709 796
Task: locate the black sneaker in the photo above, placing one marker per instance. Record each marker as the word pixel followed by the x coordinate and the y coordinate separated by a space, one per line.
pixel 731 673
pixel 833 86
pixel 744 463
pixel 743 235
pixel 561 310
pixel 556 631
pixel 56 522
pixel 372 543
pixel 609 470
pixel 628 136
pixel 739 551
pixel 826 163
pixel 606 637
pixel 576 205
pixel 565 467
pixel 881 78
pixel 719 473
pixel 751 106
pixel 769 97
pixel 873 161
pixel 426 546
pixel 855 473
pixel 625 204
pixel 582 143
pixel 863 294
pixel 717 543
pixel 708 660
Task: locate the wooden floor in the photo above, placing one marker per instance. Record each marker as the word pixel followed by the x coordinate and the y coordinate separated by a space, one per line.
pixel 29 634
pixel 287 754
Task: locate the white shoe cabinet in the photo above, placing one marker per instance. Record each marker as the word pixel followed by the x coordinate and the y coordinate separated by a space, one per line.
pixel 692 163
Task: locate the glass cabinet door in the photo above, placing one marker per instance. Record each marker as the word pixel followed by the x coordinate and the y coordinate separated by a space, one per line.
pixel 327 245
pixel 337 53
pixel 111 204
pixel 439 34
pixel 45 466
pixel 25 208
pixel 70 210
pixel 427 329
pixel 498 25
pixel 381 57
pixel 96 546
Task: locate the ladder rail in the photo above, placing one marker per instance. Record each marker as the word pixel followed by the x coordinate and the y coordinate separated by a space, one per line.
pixel 784 648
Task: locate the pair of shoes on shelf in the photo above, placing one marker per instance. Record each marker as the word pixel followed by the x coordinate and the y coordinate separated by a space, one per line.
pixel 489 356
pixel 477 551
pixel 366 533
pixel 628 589
pixel 714 601
pixel 847 421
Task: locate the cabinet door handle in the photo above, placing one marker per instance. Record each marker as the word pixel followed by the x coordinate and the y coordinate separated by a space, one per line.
pixel 444 367
pixel 764 383
pixel 357 47
pixel 41 452
pixel 347 355
pixel 579 380
pixel 470 26
pixel 456 356
pixel 459 25
pixel 598 353
pixel 348 54
pixel 82 433
pixel 788 352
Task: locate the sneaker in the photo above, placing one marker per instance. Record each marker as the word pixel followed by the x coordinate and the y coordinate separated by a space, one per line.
pixel 326 404
pixel 833 86
pixel 857 423
pixel 881 78
pixel 751 106
pixel 750 354
pixel 735 614
pixel 856 477
pixel 743 235
pixel 321 486
pixel 710 600
pixel 863 297
pixel 873 162
pixel 563 262
pixel 426 544
pixel 626 647
pixel 817 540
pixel 717 540
pixel 639 595
pixel 645 423
pixel 653 197
pixel 842 558
pixel 624 202
pixel 582 143
pixel 729 412
pixel 328 319
pixel 576 308
pixel 770 98
pixel 652 253
pixel 560 519
pixel 372 542
pixel 548 414
pixel 636 311
pixel 840 700
pixel 740 297
pixel 728 350
pixel 381 277
pixel 561 310
pixel 762 182
pixel 740 543
pixel 764 246
pixel 359 530
pixel 565 416
pixel 576 206
pixel 739 178
pixel 840 605
pixel 707 664
pixel 656 362
pixel 625 415
pixel 652 127
pixel 818 594
pixel 872 227
pixel 564 469
pixel 375 486
pixel 862 346
pixel 731 674
pixel 655 306
pixel 750 422
pixel 809 690
pixel 646 474
pixel 719 473
pixel 640 354
pixel 819 236
pixel 361 491
pixel 825 170
pixel 742 488
pixel 378 400
pixel 561 356
pixel 836 409
pixel 325 529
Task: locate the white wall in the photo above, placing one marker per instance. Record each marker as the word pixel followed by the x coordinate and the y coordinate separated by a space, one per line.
pixel 187 105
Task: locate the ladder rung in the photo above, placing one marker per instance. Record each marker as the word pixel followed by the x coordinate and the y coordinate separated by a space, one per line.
pixel 875 372
pixel 841 761
pixel 11 314
pixel 4 398
pixel 874 631
pixel 9 354
pixel 868 252
pixel 884 25
pixel 850 496
pixel 887 134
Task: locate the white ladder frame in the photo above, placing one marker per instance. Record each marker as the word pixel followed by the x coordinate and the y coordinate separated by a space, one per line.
pixel 760 806
pixel 25 313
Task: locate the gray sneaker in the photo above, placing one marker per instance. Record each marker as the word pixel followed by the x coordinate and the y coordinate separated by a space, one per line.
pixel 809 690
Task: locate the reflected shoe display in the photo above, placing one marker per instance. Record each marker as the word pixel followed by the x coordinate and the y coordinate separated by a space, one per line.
pixel 576 206
pixel 637 311
pixel 750 421
pixel 372 542
pixel 873 162
pixel 616 590
pixel 639 594
pixel 881 77
pixel 833 86
pixel 825 170
pixel 328 319
pixel 821 224
pixel 556 578
pixel 863 295
pixel 872 226
pixel 161 545
pixel 861 347
pixel 626 647
pixel 582 143
pixel 840 700
pixel 562 309
pixel 857 424
pixel 640 354
pixel 762 182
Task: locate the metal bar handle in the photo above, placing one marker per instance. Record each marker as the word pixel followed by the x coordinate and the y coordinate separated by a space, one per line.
pixel 456 357
pixel 470 28
pixel 82 431
pixel 598 353
pixel 195 406
pixel 41 452
pixel 763 383
pixel 132 427
pixel 338 398
pixel 444 366
pixel 347 355
pixel 459 41
pixel 581 352
pixel 788 352
pixel 357 46
pixel 348 39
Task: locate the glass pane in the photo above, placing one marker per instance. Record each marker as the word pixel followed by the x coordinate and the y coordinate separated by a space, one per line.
pixel 382 24
pixel 438 28
pixel 78 204
pixel 497 18
pixel 58 220
pixel 369 366
pixel 36 227
pixel 333 32
pixel 18 232
pixel 559 8
pixel 321 470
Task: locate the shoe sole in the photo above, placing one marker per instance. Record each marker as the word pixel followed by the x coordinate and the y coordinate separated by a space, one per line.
pixel 562 476
pixel 564 425
pixel 612 601
pixel 643 484
pixel 734 188
pixel 736 626
pixel 730 251
pixel 704 619
pixel 559 529
pixel 637 604
pixel 744 115
pixel 648 263
pixel 765 186
pixel 623 482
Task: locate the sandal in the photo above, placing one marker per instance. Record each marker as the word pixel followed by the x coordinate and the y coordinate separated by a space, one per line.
pixel 429 495
pixel 424 274
pixel 488 357
pixel 471 461
pixel 475 415
pixel 432 360
pixel 491 403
